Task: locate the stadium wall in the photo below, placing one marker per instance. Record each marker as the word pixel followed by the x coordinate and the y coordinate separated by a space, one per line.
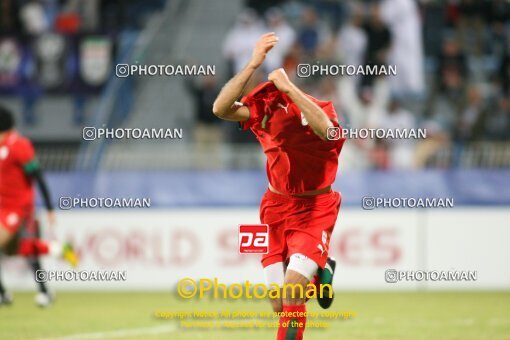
pixel 158 247
pixel 245 188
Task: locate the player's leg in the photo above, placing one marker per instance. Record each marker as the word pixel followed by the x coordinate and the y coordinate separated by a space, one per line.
pixel 6 233
pixel 272 214
pixel 31 244
pixel 5 297
pixel 7 229
pixel 299 272
pixel 9 224
pixel 325 278
pixel 44 297
pixel 31 231
pixel 308 238
pixel 318 235
pixel 275 276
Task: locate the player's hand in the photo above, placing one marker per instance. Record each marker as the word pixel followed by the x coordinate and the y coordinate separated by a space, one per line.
pixel 280 80
pixel 52 221
pixel 264 45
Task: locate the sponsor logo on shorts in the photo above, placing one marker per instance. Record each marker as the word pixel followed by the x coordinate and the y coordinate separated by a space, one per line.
pixel 253 239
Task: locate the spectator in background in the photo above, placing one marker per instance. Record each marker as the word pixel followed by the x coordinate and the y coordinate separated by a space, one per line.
pixel 276 23
pixel 379 155
pixel 497 123
pixel 34 19
pixel 9 16
pixel 470 26
pixel 310 34
pixel 469 125
pixel 89 10
pixel 406 51
pixel 401 151
pixel 241 38
pixel 262 6
pixel 429 148
pixel 334 10
pixel 292 60
pixel 497 15
pixel 351 41
pixel 503 75
pixel 447 100
pixel 378 42
pixel 113 14
pixel 451 59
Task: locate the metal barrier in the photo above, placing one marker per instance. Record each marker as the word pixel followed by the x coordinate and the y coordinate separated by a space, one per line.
pixel 162 156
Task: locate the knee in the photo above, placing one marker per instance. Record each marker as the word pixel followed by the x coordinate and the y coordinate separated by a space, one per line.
pixel 295 291
pixel 5 237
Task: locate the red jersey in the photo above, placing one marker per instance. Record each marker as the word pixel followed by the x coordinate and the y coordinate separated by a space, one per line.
pixel 16 188
pixel 297 159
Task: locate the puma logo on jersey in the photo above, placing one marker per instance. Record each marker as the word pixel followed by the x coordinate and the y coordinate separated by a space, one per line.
pixel 286 108
pixel 304 122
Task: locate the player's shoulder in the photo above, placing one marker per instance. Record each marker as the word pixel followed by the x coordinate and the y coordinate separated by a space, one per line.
pixel 17 140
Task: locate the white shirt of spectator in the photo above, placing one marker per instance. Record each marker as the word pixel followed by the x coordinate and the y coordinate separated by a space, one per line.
pixel 287 37
pixel 406 52
pixel 240 40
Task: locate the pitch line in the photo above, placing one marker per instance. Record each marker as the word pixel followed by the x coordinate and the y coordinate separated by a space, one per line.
pixel 121 333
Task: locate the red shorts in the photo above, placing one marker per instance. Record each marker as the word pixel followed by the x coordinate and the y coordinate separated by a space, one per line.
pixel 299 225
pixel 12 219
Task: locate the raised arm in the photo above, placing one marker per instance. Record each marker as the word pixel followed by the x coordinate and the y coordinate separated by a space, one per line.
pixel 317 119
pixel 224 106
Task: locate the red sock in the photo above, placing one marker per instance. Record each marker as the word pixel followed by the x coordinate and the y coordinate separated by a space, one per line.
pixel 292 323
pixel 31 247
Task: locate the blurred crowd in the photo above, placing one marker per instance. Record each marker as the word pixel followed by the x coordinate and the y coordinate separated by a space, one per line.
pixel 452 59
pixel 33 17
pixel 63 47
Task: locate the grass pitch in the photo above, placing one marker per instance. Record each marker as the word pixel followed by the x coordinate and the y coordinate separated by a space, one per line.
pixel 423 315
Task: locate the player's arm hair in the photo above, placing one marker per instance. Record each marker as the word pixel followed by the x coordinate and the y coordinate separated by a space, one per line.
pixel 33 170
pixel 224 106
pixel 317 119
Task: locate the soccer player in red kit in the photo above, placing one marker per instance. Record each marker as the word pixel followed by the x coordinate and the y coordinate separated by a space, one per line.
pixel 18 171
pixel 299 205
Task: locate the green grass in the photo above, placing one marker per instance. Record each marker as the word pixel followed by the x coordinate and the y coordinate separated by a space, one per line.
pixel 424 315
